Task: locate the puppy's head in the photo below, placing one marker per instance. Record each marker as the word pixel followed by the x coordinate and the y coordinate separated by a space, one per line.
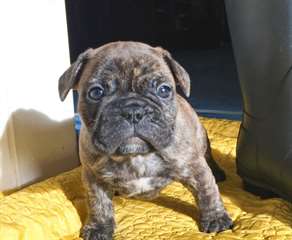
pixel 127 96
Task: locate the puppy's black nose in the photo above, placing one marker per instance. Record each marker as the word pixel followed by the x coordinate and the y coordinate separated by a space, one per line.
pixel 133 113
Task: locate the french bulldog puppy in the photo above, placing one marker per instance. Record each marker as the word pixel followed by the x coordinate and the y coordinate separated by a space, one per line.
pixel 138 134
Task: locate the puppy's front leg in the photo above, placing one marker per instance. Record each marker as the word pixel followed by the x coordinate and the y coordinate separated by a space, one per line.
pixel 200 180
pixel 100 222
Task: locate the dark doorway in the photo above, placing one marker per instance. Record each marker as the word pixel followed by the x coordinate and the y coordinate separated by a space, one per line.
pixel 194 31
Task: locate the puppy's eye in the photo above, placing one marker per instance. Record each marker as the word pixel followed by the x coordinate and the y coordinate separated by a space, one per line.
pixel 96 93
pixel 164 91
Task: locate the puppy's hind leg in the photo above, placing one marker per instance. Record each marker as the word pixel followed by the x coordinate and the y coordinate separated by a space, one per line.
pixel 217 171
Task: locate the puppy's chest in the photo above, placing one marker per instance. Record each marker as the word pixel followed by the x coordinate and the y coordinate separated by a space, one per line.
pixel 135 175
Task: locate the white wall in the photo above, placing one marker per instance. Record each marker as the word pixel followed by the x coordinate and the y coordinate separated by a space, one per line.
pixel 36 140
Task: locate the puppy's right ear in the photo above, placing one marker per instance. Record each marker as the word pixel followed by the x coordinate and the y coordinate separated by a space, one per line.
pixel 181 76
pixel 72 75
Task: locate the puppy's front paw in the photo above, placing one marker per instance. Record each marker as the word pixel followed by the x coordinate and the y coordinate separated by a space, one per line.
pixel 96 232
pixel 217 223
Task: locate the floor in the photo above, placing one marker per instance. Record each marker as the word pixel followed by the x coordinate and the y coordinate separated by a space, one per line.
pixel 215 90
pixel 55 208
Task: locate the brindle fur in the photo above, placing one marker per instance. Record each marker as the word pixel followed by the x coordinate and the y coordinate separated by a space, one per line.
pixel 179 151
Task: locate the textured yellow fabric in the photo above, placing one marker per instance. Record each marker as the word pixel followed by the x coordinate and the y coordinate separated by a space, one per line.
pixel 54 209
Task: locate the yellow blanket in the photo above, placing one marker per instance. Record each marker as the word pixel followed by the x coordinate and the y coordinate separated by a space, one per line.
pixel 55 209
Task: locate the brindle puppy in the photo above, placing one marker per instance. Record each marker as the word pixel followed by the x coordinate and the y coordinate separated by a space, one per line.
pixel 138 134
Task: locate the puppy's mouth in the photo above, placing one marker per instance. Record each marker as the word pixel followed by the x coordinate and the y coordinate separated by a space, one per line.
pixel 134 145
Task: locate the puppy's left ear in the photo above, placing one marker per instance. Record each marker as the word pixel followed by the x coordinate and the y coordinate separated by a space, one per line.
pixel 181 76
pixel 71 76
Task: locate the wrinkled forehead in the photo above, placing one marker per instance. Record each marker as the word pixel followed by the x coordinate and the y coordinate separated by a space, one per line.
pixel 126 64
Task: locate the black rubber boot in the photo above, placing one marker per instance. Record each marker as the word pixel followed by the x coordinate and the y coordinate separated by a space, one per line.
pixel 261 33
